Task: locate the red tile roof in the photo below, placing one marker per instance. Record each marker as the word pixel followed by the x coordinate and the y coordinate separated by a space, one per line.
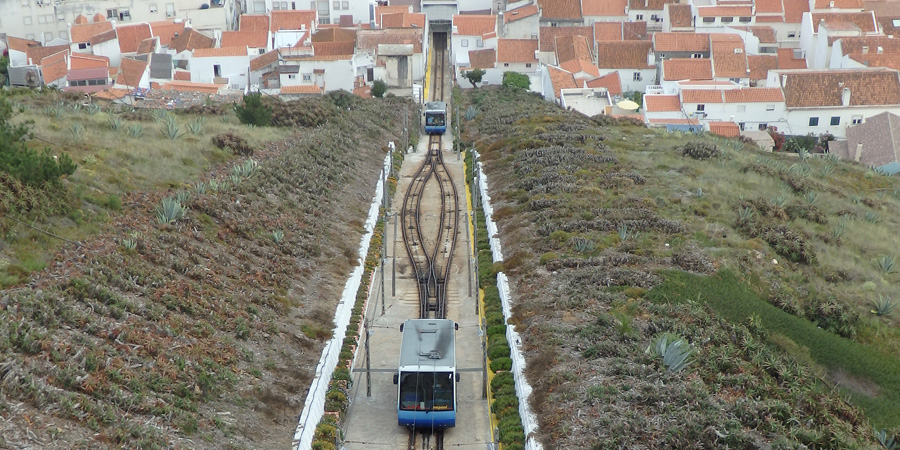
pixel 130 36
pixel 482 59
pixel 130 72
pixel 604 7
pixel 220 52
pixel 724 11
pixel 576 66
pixel 662 103
pixel 560 80
pixel 560 9
pixel 764 33
pixel 623 54
pixel 36 54
pixel 263 60
pixel 608 31
pixel 681 16
pixel 868 87
pixel 869 44
pixel 380 11
pixel 728 56
pixel 254 22
pixel 191 40
pixel 252 39
pixel 520 13
pixel 403 20
pixel 753 95
pixel 55 66
pixel 304 89
pixel 686 69
pixel 292 20
pixel 81 33
pixel 516 50
pixel 106 36
pixel 371 39
pixel 86 61
pixel 166 30
pixel 786 60
pixel 769 7
pixel 548 35
pixel 21 45
pixel 648 5
pixel 572 47
pixel 864 20
pixel 183 86
pixel 889 60
pixel 474 25
pixel 334 35
pixel 701 96
pixel 725 129
pixel 610 81
pixel 760 65
pixel 333 48
pixel 681 42
pixel 146 46
pixel 794 9
pixel 181 75
pixel 111 94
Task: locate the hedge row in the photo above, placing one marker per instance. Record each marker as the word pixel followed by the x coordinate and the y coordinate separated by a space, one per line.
pixel 505 404
pixel 337 399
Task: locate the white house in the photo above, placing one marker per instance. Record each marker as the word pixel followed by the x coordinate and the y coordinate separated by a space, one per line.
pixel 729 58
pixel 719 16
pixel 750 108
pixel 650 11
pixel 522 22
pixel 869 51
pixel 634 60
pixel 81 33
pixel 664 109
pixel 289 27
pixel 471 32
pixel 816 39
pixel 679 18
pixel 828 101
pixel 229 66
pixel 396 55
pixel 107 44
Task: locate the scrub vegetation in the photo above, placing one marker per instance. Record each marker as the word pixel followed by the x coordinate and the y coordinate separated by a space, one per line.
pixel 688 291
pixel 194 306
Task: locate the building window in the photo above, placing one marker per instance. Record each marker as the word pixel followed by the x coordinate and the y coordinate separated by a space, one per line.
pixel 464 42
pixel 505 64
pixel 763 126
pixel 48 36
pixel 345 5
pixel 701 108
pixel 27 20
pixel 170 10
pixel 697 55
pixel 836 120
pixel 734 80
pixel 307 77
pixel 636 76
pixel 639 17
pixel 153 8
pixel 292 77
pixel 83 45
pixel 744 19
pixel 856 120
pixel 112 13
pixel 654 17
pixel 64 35
pixel 217 70
pixel 42 19
pixel 709 20
pixel 29 36
pixel 124 15
pixel 312 4
pixel 337 4
pixel 792 35
pixel 770 107
pixel 742 108
pixel 528 65
pixel 60 17
pixel 813 121
pixel 741 125
pixel 479 43
pixel 726 19
pixel 534 36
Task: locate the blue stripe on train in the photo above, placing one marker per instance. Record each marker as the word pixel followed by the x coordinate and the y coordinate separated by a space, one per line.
pixel 427 419
pixel 436 130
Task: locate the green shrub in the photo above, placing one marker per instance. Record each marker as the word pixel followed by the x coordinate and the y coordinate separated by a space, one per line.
pixel 548 257
pixel 502 379
pixel 326 432
pixel 516 80
pixel 497 340
pixel 502 403
pixel 322 445
pixel 253 111
pixel 498 351
pixel 379 88
pixel 501 364
pixel 496 330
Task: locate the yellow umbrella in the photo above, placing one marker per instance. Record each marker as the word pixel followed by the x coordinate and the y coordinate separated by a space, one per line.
pixel 628 105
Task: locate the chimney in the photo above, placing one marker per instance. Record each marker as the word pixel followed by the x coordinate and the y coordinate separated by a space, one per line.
pixel 858 152
pixel 831 4
pixel 845 97
pixel 783 80
pixel 865 49
pixel 880 49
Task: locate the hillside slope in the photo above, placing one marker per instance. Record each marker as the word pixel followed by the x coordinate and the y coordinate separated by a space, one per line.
pixel 202 333
pixel 621 240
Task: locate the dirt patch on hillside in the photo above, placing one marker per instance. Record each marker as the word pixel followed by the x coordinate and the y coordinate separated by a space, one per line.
pixel 854 384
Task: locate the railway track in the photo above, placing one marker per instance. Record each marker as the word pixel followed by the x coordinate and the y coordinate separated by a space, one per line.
pixel 431 254
pixel 427 436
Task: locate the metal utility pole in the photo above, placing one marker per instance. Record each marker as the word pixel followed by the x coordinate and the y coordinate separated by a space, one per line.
pixel 484 377
pixel 457 133
pixel 368 360
pixel 469 245
pixel 394 261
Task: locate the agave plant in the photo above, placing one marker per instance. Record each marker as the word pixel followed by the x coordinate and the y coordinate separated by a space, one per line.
pixel 827 169
pixel 810 197
pixel 583 245
pixel 129 243
pixel 245 169
pixel 196 126
pixel 115 123
pixel 673 349
pixel 235 179
pixel 183 196
pixel 161 114
pixel 471 112
pixel 886 441
pixel 832 158
pixel 200 187
pixel 170 129
pixel 135 131
pixel 778 201
pixel 883 306
pixel 77 132
pixel 213 185
pixel 170 210
pixel 804 154
pixel 746 213
pixel 837 231
pixel 873 217
pixel 622 229
pixel 885 263
pixel 92 109
pixel 277 236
